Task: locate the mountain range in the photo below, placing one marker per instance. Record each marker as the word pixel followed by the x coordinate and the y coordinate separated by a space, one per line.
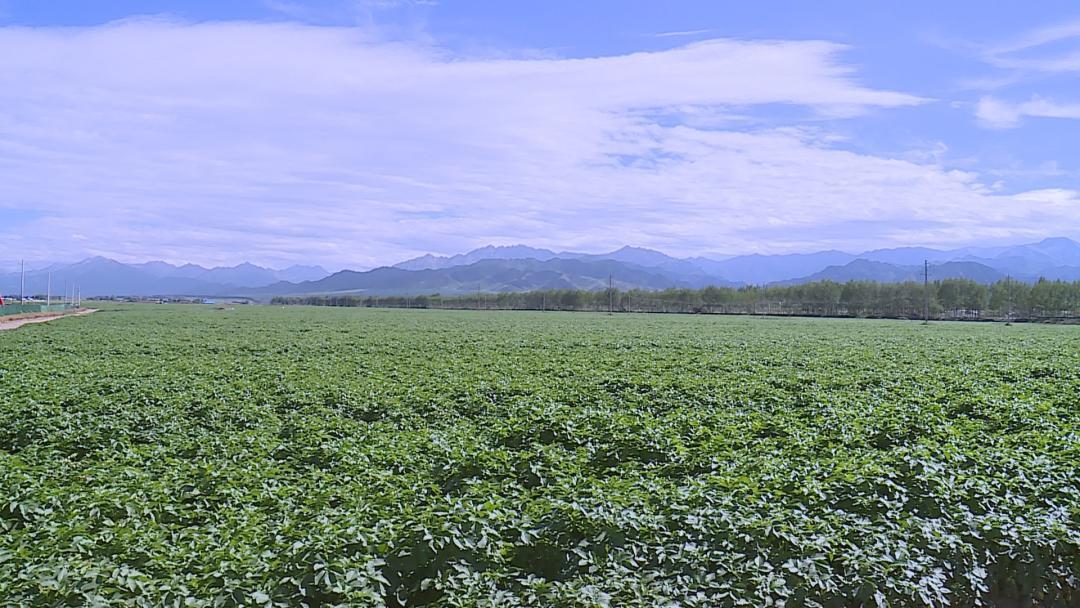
pixel 523 268
pixel 501 275
pixel 100 276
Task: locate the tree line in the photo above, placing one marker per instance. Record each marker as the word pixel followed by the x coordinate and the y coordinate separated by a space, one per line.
pixel 945 299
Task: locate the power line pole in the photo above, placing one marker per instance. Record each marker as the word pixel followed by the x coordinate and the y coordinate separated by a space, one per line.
pixel 22 282
pixel 610 295
pixel 1008 287
pixel 48 292
pixel 926 291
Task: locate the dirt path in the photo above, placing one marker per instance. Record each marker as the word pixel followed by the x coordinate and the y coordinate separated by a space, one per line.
pixel 14 323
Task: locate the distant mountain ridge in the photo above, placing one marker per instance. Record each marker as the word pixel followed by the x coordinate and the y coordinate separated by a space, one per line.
pixel 1052 258
pixel 497 275
pixel 242 275
pixel 490 252
pixel 522 268
pixel 884 272
pixel 100 276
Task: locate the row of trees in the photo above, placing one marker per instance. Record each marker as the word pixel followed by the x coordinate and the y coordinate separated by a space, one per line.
pixel 950 298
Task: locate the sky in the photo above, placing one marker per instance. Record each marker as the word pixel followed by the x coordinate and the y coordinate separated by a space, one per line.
pixel 355 133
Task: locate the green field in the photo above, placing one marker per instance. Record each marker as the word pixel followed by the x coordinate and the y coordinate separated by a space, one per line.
pixel 190 456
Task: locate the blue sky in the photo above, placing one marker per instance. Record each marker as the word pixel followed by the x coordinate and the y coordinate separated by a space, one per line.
pixel 354 133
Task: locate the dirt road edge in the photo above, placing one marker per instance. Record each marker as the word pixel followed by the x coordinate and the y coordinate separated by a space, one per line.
pixel 8 323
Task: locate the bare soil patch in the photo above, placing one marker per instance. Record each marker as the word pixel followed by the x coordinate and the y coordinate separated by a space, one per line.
pixel 16 321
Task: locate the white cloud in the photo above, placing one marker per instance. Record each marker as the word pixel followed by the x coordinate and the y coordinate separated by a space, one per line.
pixel 288 8
pixel 997 114
pixel 682 33
pixel 341 12
pixel 1029 52
pixel 283 143
pixel 1058 197
pixel 1040 55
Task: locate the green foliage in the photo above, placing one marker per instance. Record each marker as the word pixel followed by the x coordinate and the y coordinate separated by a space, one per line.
pixel 947 299
pixel 188 456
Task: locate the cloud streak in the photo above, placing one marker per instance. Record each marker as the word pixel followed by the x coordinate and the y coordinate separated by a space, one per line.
pixel 682 33
pixel 997 114
pixel 1029 52
pixel 282 143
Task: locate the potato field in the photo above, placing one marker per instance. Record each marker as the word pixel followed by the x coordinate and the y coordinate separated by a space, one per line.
pixel 191 456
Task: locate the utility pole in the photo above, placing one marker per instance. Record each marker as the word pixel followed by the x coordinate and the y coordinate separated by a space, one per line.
pixel 1008 287
pixel 543 302
pixel 22 282
pixel 610 295
pixel 48 293
pixel 926 291
pixel 477 299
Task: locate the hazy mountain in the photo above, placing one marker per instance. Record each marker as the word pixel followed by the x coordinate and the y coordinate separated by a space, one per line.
pixel 491 252
pixel 765 269
pixel 1031 258
pixel 493 275
pixel 912 256
pixel 980 273
pixel 683 269
pixel 1013 265
pixel 299 272
pixel 101 276
pixel 1055 258
pixel 519 267
pixel 758 269
pixel 686 269
pixel 156 268
pixel 242 275
pixel 631 255
pixel 883 272
pixel 1053 251
pixel 11 266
